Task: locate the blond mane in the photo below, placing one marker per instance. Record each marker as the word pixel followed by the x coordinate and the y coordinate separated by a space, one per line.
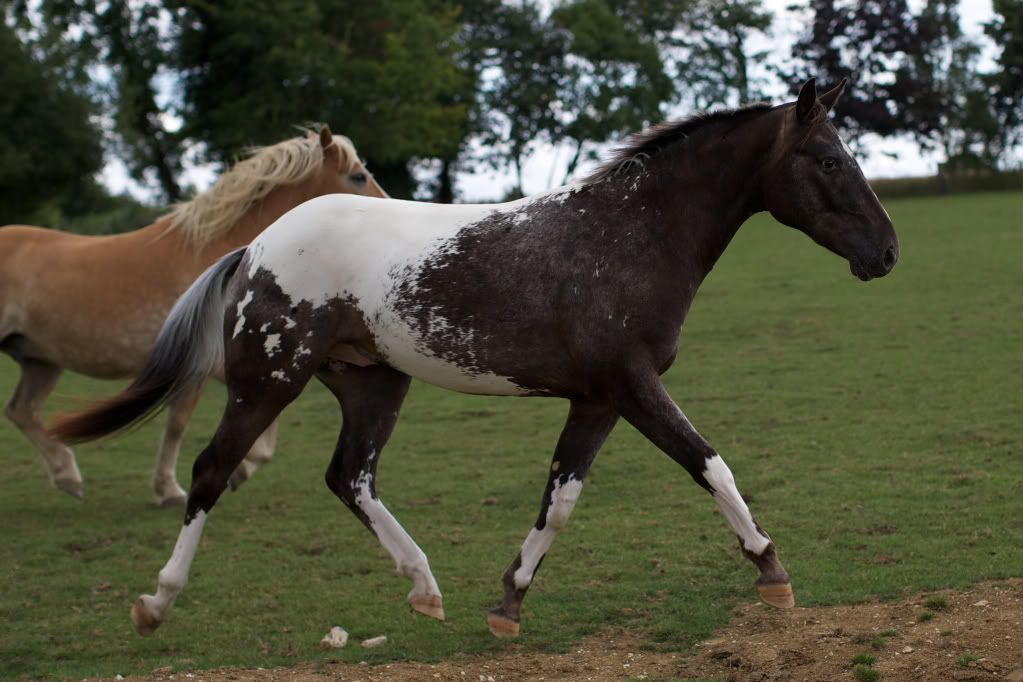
pixel 215 212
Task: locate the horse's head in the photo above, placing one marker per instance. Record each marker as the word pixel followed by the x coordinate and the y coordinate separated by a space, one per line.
pixel 342 171
pixel 816 186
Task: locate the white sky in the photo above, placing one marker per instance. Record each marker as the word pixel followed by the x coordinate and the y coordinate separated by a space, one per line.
pixel 879 157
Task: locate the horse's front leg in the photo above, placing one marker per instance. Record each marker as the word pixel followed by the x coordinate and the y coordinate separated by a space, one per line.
pixel 646 405
pixel 585 431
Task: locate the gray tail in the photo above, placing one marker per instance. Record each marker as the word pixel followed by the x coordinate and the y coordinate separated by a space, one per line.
pixel 189 347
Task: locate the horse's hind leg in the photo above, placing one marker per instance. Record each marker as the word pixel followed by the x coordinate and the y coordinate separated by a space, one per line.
pixel 370 398
pixel 165 480
pixel 585 431
pixel 37 381
pixel 648 407
pixel 250 409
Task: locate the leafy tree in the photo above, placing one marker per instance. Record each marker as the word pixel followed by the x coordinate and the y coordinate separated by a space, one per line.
pixel 866 42
pixel 586 73
pixel 613 81
pixel 958 101
pixel 122 42
pixel 473 55
pixel 381 72
pixel 519 104
pixel 1006 30
pixel 47 143
pixel 716 56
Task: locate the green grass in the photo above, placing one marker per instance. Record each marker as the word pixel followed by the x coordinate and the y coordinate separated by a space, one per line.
pixel 936 603
pixel 925 616
pixel 873 426
pixel 864 659
pixel 865 674
pixel 966 659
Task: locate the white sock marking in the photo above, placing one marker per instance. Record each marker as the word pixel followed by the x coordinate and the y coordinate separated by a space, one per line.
pixel 720 478
pixel 563 499
pixel 174 576
pixel 409 560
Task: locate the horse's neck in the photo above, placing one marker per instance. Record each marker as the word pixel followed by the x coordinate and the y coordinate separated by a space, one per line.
pixel 262 214
pixel 703 191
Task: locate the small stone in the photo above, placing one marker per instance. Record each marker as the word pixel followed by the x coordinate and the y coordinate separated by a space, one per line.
pixel 907 649
pixel 374 642
pixel 982 602
pixel 335 639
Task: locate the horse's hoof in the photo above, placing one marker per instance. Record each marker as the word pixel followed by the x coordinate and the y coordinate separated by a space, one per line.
pixel 779 595
pixel 145 623
pixel 428 605
pixel 174 501
pixel 501 626
pixel 71 486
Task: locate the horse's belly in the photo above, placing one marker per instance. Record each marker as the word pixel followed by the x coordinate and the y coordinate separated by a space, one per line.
pixel 404 350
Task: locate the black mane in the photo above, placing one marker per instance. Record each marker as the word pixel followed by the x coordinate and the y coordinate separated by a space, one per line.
pixel 645 144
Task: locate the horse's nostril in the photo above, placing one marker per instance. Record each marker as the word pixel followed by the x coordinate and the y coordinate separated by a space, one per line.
pixel 889 258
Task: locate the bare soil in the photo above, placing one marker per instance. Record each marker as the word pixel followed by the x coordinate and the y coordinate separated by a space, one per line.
pixel 968 635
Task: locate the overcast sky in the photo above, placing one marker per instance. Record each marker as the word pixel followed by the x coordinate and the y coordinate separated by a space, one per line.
pixel 879 157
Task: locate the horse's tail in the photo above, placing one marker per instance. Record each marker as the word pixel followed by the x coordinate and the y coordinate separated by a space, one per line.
pixel 189 347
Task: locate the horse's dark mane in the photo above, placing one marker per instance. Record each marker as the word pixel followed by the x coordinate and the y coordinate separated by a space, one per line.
pixel 643 145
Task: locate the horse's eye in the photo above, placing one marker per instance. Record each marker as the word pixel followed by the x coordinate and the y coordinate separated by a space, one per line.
pixel 358 178
pixel 829 164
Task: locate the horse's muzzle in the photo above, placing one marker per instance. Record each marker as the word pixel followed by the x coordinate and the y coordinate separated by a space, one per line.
pixel 876 265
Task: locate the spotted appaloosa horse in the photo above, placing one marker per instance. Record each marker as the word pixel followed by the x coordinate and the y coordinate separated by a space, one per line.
pixel 94 305
pixel 578 294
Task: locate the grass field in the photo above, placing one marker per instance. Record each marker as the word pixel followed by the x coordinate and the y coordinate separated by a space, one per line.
pixel 875 427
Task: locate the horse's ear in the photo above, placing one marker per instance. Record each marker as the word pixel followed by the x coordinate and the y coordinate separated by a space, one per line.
pixel 326 137
pixel 829 98
pixel 807 99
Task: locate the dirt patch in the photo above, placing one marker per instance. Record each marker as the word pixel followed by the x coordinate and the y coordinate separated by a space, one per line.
pixel 944 635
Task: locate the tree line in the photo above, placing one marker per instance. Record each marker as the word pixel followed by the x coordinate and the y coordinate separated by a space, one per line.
pixel 427 88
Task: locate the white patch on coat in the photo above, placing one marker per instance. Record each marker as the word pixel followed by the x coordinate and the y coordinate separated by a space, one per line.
pixel 409 560
pixel 272 344
pixel 240 324
pixel 288 322
pixel 732 506
pixel 279 375
pixel 538 542
pixel 363 249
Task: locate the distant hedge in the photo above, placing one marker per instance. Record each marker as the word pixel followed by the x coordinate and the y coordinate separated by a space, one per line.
pixel 937 185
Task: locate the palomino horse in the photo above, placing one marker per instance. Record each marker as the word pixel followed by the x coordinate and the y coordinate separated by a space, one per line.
pixel 94 305
pixel 578 294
